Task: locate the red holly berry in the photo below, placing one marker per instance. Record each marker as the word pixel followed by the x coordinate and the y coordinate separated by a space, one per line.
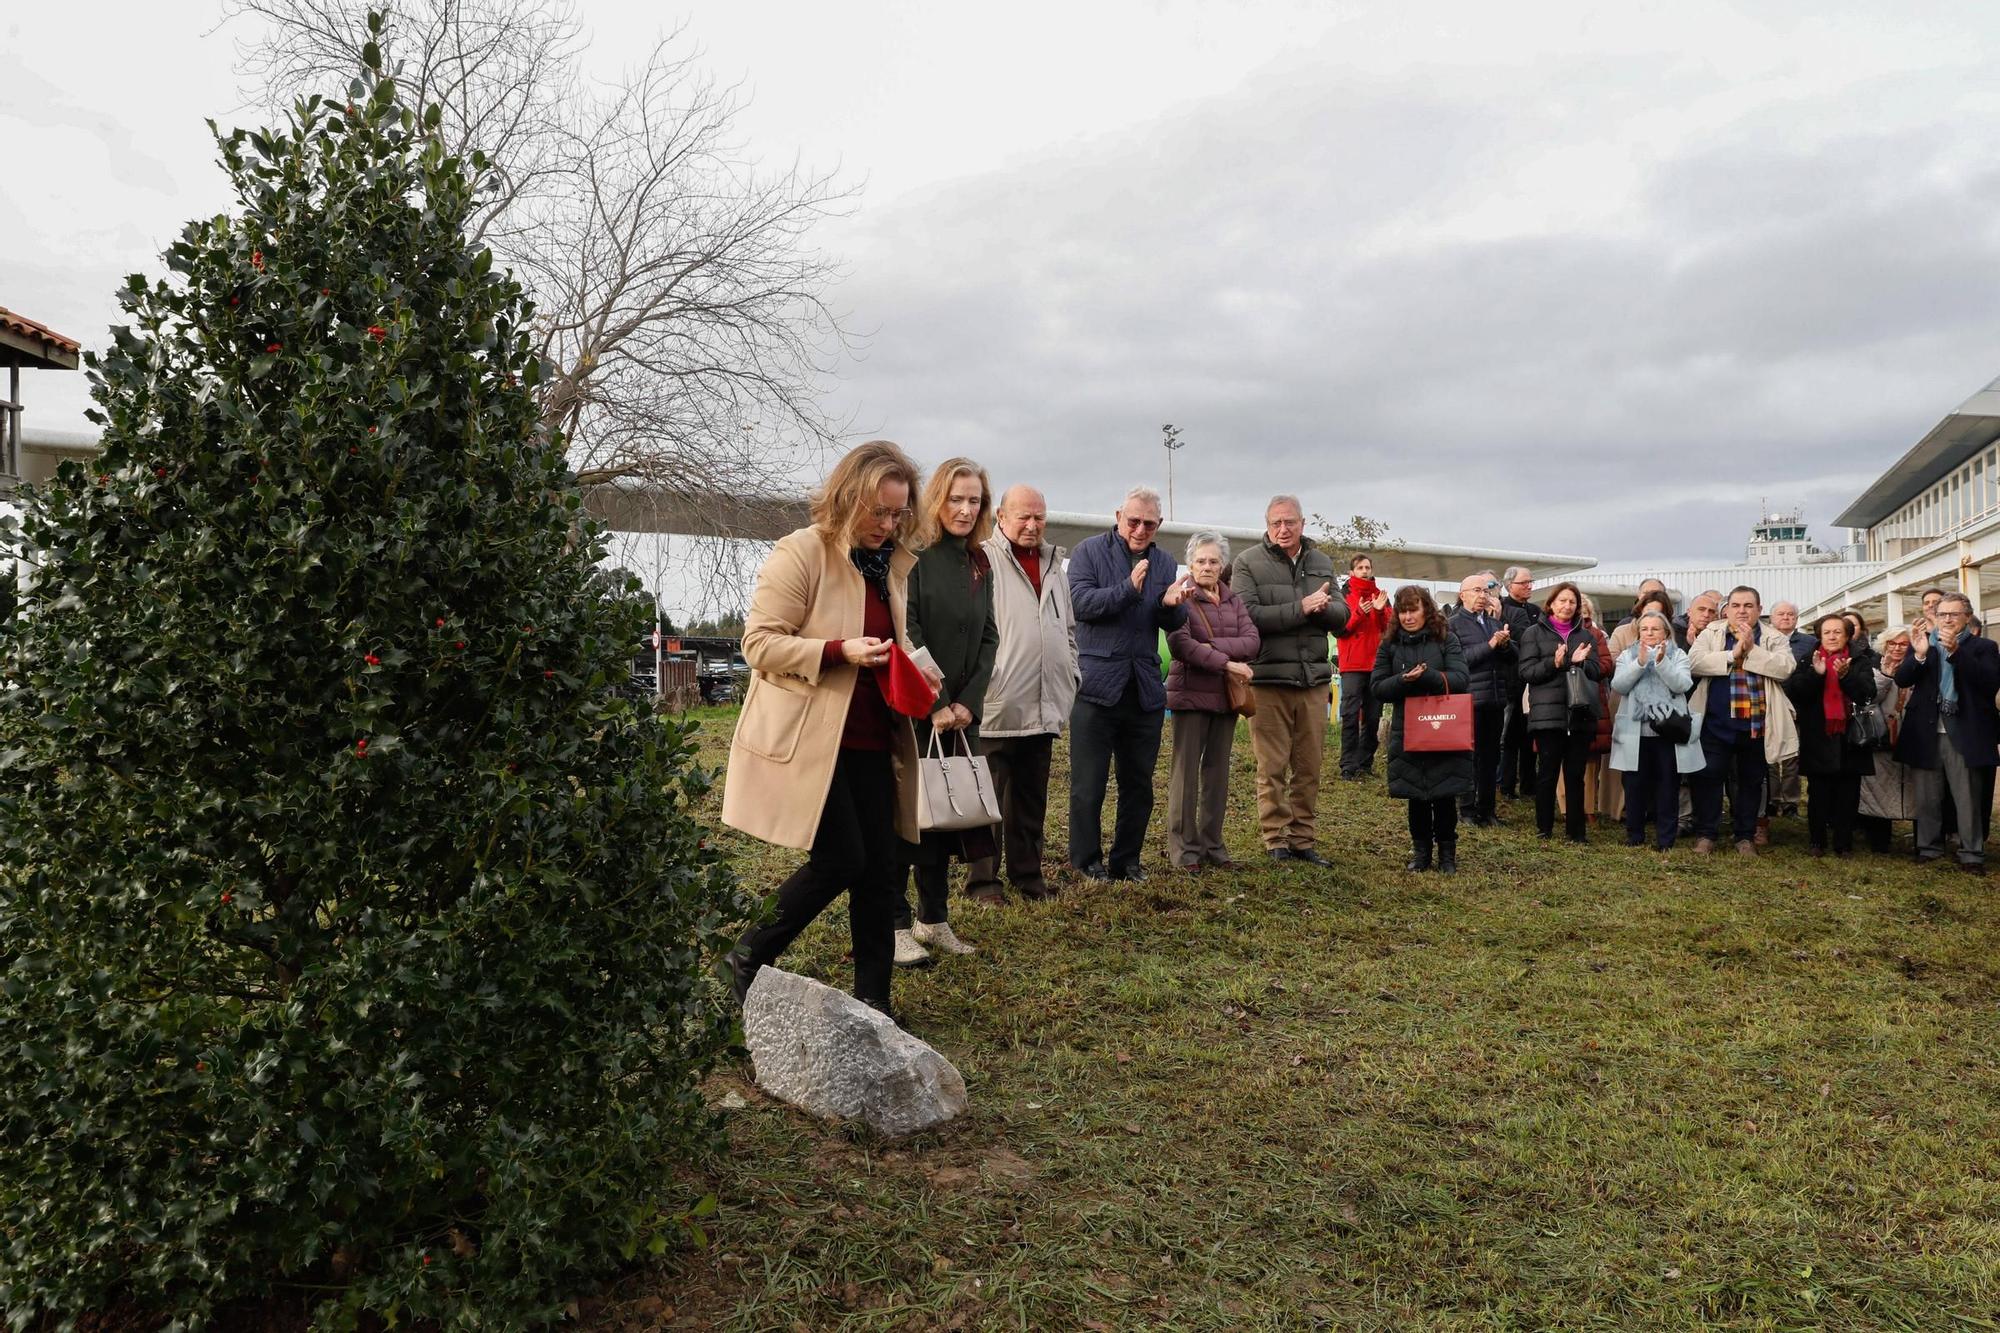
pixel 547 674
pixel 236 300
pixel 274 347
pixel 160 472
pixel 257 260
pixel 461 645
pixel 377 332
pixel 373 429
pixel 326 291
pixel 361 747
pixel 353 449
pixel 372 660
pixel 225 896
pixel 440 622
pixel 201 1066
pixel 427 1261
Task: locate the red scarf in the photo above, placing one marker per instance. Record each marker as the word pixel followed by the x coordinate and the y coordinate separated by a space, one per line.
pixel 1833 701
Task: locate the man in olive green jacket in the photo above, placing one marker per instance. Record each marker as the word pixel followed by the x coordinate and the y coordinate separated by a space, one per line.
pixel 1289 587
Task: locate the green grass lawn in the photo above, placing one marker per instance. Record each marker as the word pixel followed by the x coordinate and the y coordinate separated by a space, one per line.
pixel 1571 1087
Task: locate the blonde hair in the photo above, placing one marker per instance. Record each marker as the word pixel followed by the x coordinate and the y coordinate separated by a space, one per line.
pixel 850 490
pixel 930 513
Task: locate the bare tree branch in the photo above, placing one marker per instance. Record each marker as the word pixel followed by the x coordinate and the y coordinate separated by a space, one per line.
pixel 680 301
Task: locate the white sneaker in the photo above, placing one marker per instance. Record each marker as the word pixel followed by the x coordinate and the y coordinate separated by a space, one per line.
pixel 909 953
pixel 940 937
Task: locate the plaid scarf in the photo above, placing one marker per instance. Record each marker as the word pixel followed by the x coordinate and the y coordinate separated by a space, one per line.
pixel 1746 694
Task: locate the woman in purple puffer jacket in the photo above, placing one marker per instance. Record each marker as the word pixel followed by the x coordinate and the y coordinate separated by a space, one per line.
pixel 1216 642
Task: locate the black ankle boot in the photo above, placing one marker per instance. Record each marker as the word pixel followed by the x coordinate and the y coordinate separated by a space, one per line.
pixel 1420 858
pixel 1447 856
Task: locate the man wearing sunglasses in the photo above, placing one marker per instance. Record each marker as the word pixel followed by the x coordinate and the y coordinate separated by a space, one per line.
pixel 1124 590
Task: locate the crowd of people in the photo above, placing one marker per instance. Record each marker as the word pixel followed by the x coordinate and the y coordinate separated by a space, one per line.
pixel 1658 723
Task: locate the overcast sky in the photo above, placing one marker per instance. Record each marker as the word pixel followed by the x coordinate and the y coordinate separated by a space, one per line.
pixel 1560 277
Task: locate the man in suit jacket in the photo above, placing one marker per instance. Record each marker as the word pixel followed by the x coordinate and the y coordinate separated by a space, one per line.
pixel 1949 728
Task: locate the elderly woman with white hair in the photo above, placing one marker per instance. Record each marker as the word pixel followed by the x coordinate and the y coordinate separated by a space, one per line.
pixel 1210 649
pixel 1888 795
pixel 1654 737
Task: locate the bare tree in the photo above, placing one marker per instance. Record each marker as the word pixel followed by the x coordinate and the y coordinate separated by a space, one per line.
pixel 680 302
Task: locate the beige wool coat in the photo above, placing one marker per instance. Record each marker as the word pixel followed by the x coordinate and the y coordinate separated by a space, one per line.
pixel 787 739
pixel 1770 657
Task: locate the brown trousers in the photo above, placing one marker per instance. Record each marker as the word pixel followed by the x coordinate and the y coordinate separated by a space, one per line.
pixel 1198 787
pixel 1288 736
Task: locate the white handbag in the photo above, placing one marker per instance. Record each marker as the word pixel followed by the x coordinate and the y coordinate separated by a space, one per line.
pixel 954 791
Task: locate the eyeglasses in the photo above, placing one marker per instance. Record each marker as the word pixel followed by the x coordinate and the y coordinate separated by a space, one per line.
pixel 1142 524
pixel 878 513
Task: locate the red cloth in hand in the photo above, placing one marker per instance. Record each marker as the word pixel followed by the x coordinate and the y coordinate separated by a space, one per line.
pixel 904 686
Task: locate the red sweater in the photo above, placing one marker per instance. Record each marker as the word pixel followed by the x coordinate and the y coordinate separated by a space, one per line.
pixel 869 723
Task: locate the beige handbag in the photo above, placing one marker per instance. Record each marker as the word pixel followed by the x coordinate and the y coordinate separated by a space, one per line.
pixel 954 791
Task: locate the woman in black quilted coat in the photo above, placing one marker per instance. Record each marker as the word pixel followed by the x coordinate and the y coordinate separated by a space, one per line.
pixel 1421 656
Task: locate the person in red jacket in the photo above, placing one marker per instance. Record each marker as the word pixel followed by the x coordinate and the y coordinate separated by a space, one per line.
pixel 1360 715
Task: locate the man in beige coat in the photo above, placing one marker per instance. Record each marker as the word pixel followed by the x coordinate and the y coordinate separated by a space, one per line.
pixel 1033 686
pixel 1740 667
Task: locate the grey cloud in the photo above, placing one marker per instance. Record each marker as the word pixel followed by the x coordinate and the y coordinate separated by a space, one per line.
pixel 1783 316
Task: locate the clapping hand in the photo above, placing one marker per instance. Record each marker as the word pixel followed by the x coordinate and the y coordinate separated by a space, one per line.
pixel 1840 672
pixel 1819 663
pixel 1315 602
pixel 1139 574
pixel 1176 593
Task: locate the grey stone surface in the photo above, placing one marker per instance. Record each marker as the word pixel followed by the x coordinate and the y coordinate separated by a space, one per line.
pixel 825 1051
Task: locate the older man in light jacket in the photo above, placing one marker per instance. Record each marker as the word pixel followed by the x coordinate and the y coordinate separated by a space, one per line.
pixel 1740 666
pixel 1033 688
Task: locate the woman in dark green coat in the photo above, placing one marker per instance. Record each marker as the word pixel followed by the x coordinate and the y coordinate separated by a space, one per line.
pixel 951 615
pixel 1421 656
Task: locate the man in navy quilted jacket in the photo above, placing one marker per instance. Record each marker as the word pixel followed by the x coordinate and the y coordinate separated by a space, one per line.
pixel 1125 590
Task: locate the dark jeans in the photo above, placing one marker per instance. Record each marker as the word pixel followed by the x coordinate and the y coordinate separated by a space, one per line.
pixel 1020 768
pixel 856 851
pixel 1125 735
pixel 1434 819
pixel 1563 754
pixel 1517 755
pixel 1487 720
pixel 1360 722
pixel 933 893
pixel 1653 791
pixel 1833 806
pixel 1738 758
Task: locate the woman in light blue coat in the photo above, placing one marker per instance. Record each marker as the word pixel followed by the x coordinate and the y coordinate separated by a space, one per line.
pixel 1654 677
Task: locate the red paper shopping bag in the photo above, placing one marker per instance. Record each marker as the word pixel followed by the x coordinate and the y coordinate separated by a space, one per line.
pixel 1437 722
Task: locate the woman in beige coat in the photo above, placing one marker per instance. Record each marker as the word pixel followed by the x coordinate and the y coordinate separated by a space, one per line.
pixel 819 760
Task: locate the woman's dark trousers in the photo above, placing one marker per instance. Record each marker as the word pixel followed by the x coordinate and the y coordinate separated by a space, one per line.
pixel 1434 821
pixel 1833 807
pixel 932 871
pixel 856 852
pixel 1562 754
pixel 1653 790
